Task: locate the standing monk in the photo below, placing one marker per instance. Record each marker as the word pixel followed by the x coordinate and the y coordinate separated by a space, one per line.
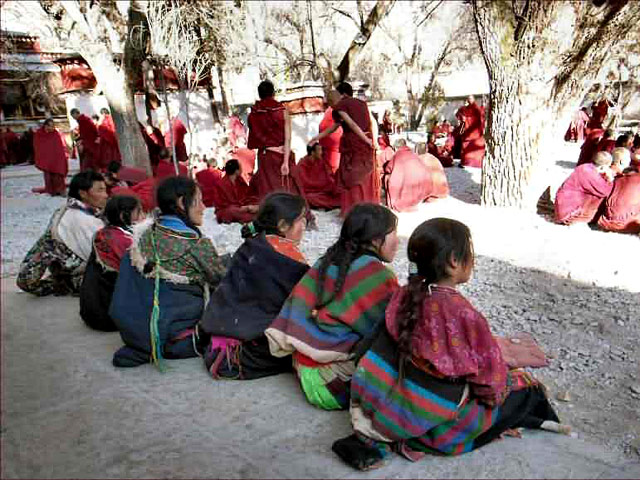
pixel 270 133
pixel 108 141
pixel 52 157
pixel 331 143
pixel 357 177
pixel 88 133
pixel 576 130
pixel 472 134
pixel 179 131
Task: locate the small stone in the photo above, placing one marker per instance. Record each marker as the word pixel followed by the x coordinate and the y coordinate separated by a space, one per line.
pixel 620 322
pixel 576 321
pixel 635 389
pixel 564 396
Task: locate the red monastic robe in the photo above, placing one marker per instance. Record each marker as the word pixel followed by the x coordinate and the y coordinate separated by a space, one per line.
pixel 207 179
pixel 166 169
pixel 247 160
pixel 52 157
pixel 409 180
pixel 154 143
pixel 577 128
pixel 317 182
pixel 622 208
pixel 606 145
pixel 330 143
pixel 580 196
pixel 88 133
pixel 442 149
pixel 590 146
pixel 357 177
pixel 229 197
pixel 108 146
pixel 472 136
pixel 11 146
pixel 236 131
pixel 144 191
pixel 266 129
pixel 598 115
pixel 179 132
pixel 132 175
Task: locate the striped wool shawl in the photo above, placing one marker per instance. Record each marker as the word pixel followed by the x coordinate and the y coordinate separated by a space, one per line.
pixel 331 333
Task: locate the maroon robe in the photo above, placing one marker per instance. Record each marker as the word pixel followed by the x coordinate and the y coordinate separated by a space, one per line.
pixel 108 146
pixel 179 132
pixel 606 145
pixel 357 177
pixel 443 152
pixel 132 175
pixel 330 143
pixel 317 182
pixel 230 196
pixel 580 196
pixel 52 157
pixel 577 128
pixel 207 179
pixel 10 146
pixel 88 133
pixel 266 129
pixel 154 143
pixel 472 135
pixel 144 191
pixel 590 146
pixel 409 180
pixel 166 169
pixel 598 115
pixel 622 208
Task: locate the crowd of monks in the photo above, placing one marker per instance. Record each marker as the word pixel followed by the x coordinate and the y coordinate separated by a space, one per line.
pixel 350 160
pixel 604 189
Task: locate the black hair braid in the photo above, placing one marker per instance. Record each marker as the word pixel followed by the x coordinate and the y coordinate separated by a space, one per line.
pixel 409 314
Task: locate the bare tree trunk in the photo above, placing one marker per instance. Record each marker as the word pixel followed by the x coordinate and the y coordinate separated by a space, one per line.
pixel 212 101
pixel 380 10
pixel 170 123
pixel 225 103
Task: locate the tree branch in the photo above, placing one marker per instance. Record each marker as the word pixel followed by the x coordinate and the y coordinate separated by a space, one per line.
pixel 429 13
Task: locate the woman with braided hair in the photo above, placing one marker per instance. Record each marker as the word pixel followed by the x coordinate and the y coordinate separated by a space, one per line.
pixel 261 275
pixel 337 307
pixel 165 278
pixel 434 379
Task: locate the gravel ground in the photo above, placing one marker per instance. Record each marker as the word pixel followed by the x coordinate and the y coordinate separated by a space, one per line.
pixel 575 289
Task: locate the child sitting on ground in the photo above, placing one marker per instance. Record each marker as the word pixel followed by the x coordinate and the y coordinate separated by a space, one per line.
pixel 262 274
pixel 335 309
pixel 109 246
pixel 434 379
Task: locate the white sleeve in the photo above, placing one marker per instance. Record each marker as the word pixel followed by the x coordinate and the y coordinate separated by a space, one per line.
pixel 76 230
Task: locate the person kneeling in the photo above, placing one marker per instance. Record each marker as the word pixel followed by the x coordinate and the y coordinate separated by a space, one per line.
pixel 434 379
pixel 109 246
pixel 64 249
pixel 164 279
pixel 262 273
pixel 338 305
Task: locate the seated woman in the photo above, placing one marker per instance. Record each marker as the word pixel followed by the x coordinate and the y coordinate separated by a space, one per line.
pixel 434 379
pixel 580 196
pixel 109 246
pixel 164 279
pixel 338 305
pixel 261 275
pixel 64 249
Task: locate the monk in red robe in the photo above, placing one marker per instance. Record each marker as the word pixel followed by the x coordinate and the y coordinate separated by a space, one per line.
pixel 88 133
pixel 107 142
pixel 237 134
pixel 577 129
pixel 580 196
pixel 408 180
pixel 331 143
pixel 622 208
pixel 472 134
pixel 154 141
pixel 590 146
pixel 317 180
pixel 247 160
pixel 207 180
pixel 270 134
pixel 599 113
pixel 143 191
pixel 357 177
pixel 436 171
pixel 607 143
pixel 10 147
pixel 51 157
pixel 232 196
pixel 179 131
pixel 442 145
